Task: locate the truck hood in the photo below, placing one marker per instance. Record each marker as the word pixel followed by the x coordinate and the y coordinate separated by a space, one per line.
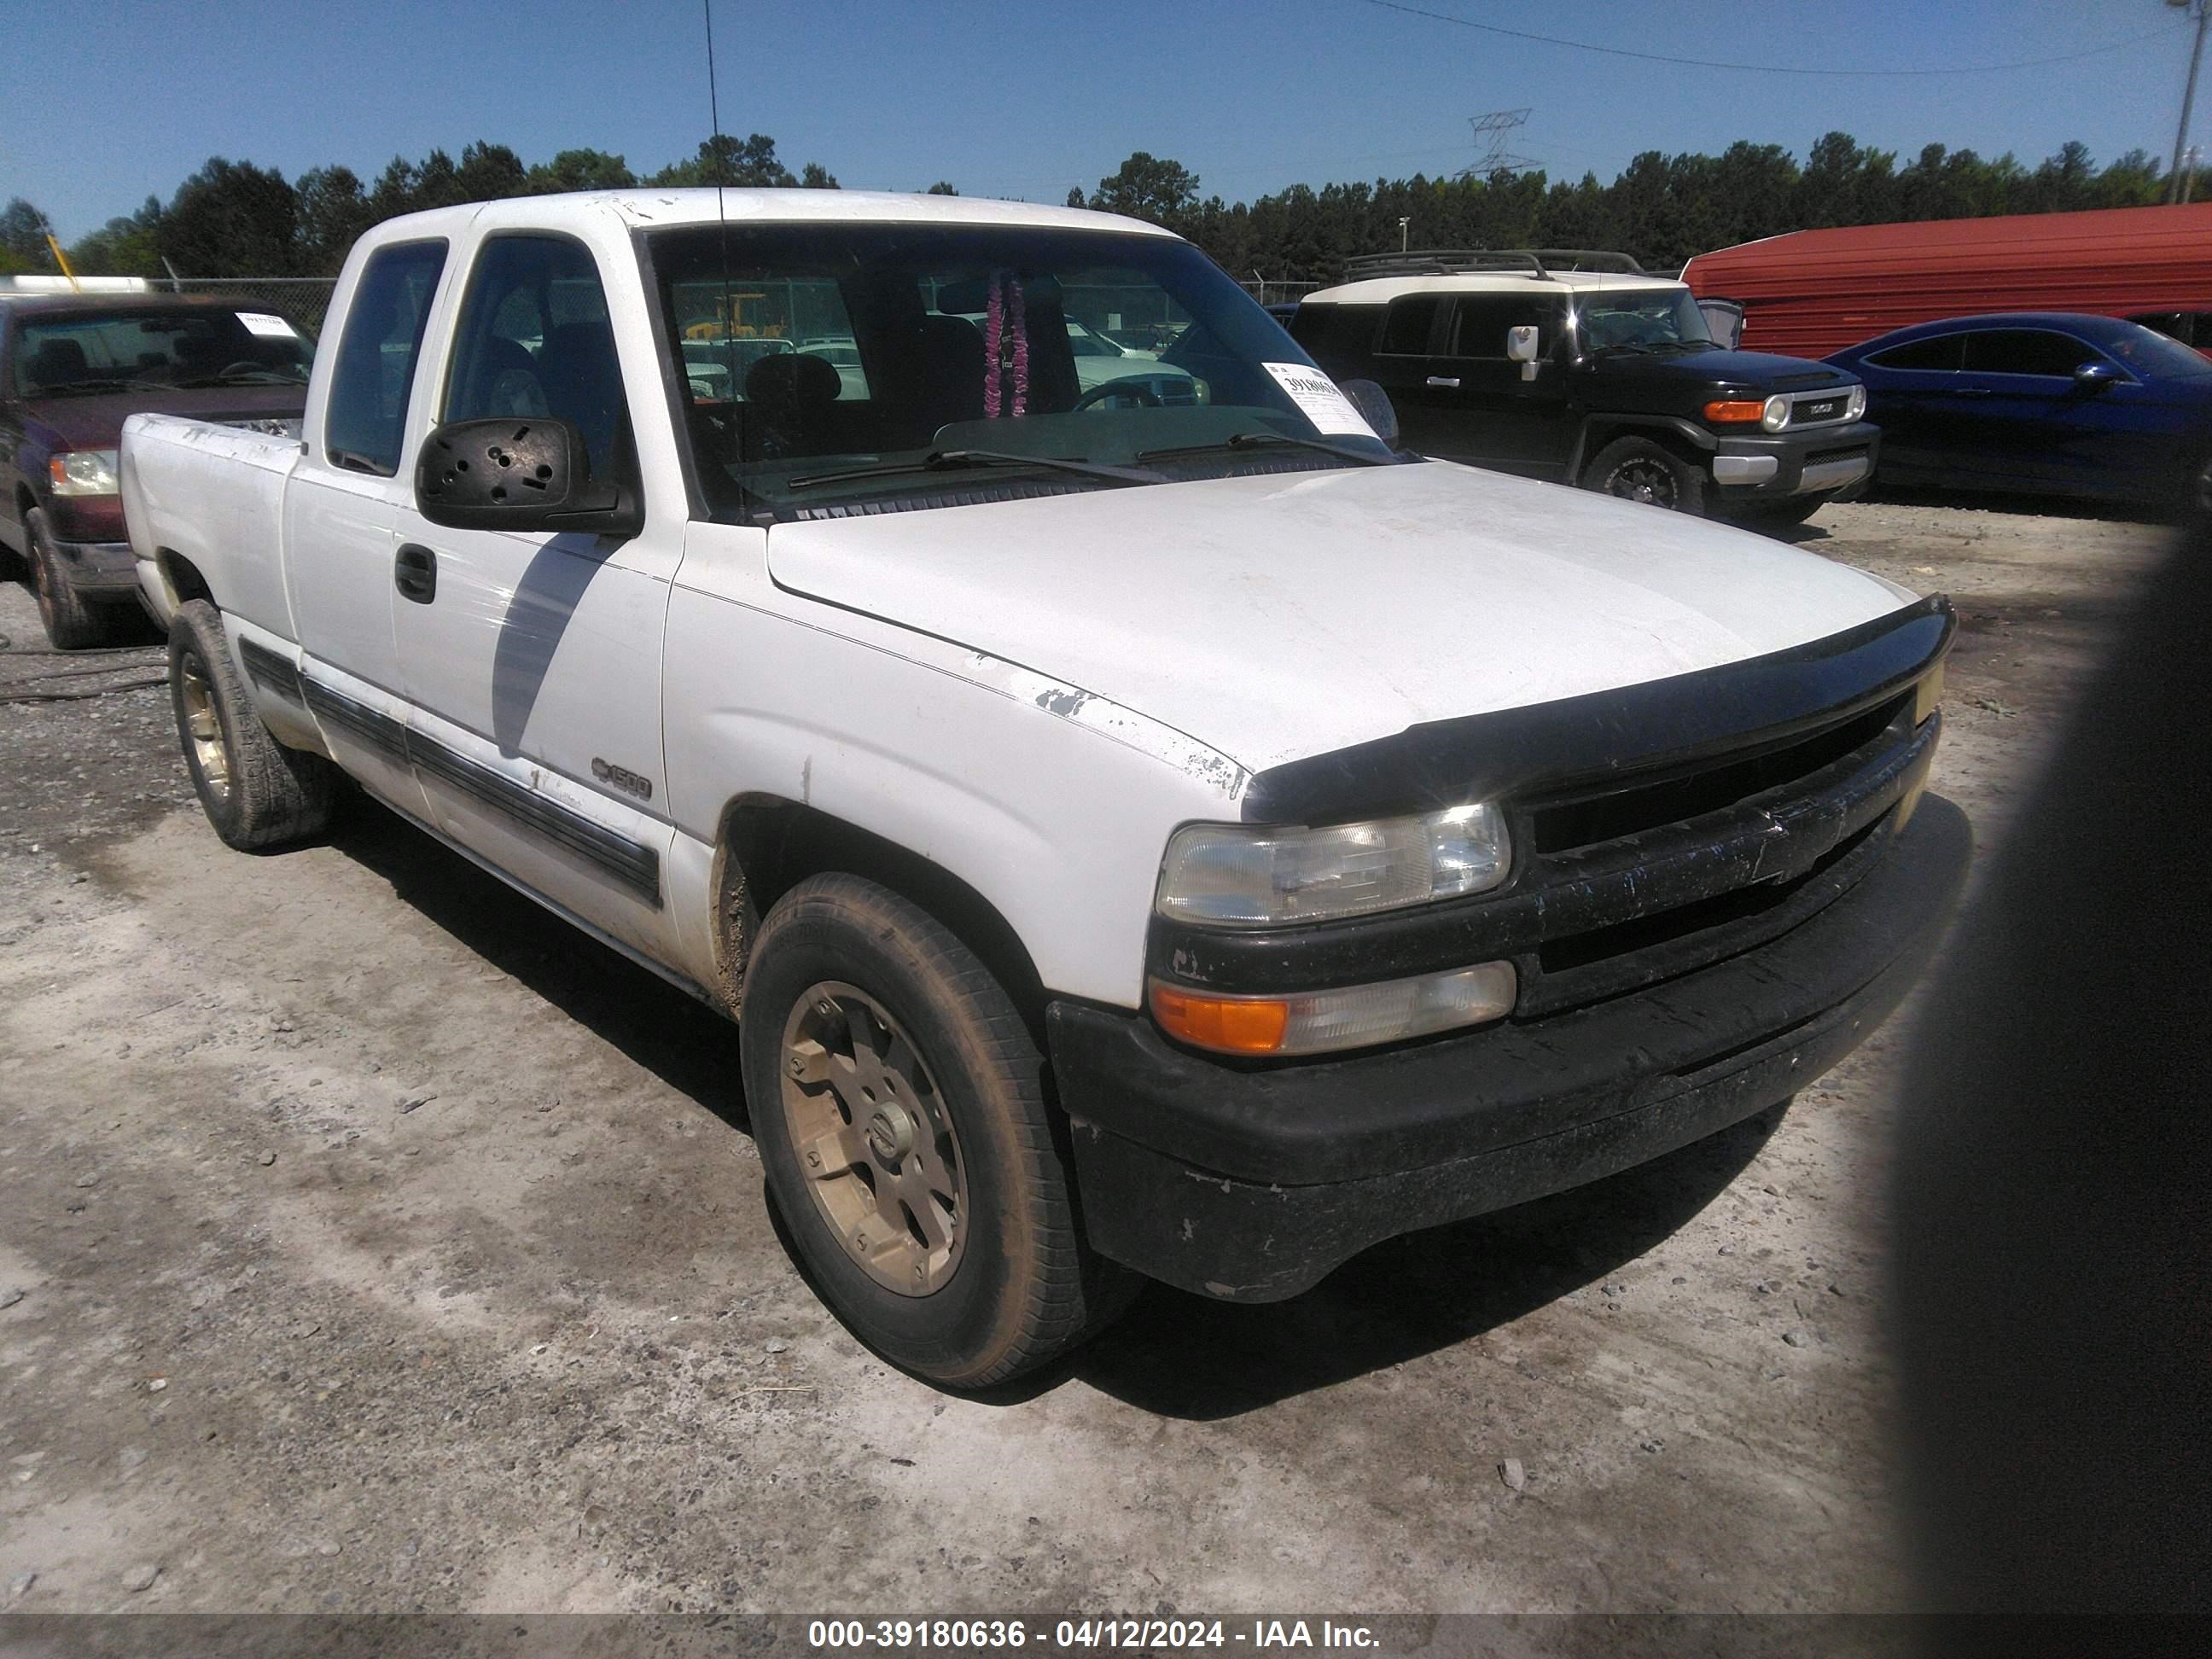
pixel 1746 369
pixel 1279 617
pixel 96 421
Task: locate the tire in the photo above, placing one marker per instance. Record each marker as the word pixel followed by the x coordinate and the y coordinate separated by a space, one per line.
pixel 1639 470
pixel 257 792
pixel 72 622
pixel 940 1226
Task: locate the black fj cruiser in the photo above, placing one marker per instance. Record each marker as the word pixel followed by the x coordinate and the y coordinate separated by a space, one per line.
pixel 1575 366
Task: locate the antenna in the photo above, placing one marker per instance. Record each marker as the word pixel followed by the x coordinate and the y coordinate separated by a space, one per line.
pixel 715 109
pixel 1497 163
pixel 722 220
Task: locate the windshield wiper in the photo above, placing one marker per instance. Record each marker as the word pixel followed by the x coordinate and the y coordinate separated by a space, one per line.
pixel 258 377
pixel 1266 441
pixel 955 460
pixel 80 388
pixel 1626 345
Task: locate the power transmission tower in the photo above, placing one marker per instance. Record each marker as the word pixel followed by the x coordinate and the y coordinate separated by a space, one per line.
pixel 1497 163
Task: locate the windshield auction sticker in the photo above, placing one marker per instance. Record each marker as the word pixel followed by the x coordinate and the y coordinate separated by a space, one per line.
pixel 271 327
pixel 1319 400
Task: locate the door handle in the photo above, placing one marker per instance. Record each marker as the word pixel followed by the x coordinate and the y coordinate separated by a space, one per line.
pixel 1971 392
pixel 1449 382
pixel 415 574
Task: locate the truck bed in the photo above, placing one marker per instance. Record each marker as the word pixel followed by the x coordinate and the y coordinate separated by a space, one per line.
pixel 212 495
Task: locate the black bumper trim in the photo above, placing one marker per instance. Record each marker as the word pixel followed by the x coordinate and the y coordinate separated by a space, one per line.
pixel 103 568
pixel 1208 1175
pixel 1795 448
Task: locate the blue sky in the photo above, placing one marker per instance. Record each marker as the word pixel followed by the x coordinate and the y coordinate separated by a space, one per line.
pixel 122 99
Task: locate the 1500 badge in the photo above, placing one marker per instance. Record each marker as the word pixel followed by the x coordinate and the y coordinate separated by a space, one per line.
pixel 622 778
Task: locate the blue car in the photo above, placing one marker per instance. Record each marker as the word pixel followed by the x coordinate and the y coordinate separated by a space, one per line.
pixel 2044 403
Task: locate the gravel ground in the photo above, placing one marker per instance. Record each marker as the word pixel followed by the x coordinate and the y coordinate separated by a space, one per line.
pixel 368 1241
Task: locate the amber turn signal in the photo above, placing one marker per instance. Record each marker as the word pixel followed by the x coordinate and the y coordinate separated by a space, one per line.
pixel 1734 409
pixel 1235 1025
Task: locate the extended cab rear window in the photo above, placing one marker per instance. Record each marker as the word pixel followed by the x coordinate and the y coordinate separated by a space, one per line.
pixel 375 368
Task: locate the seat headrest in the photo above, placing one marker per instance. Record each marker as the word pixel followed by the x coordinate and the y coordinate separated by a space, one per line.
pixel 56 363
pixel 793 377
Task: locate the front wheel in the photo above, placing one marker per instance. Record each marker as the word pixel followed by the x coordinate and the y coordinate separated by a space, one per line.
pixel 1641 470
pixel 72 622
pixel 898 1102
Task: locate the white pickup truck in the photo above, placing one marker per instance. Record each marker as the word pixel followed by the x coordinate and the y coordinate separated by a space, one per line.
pixel 1188 841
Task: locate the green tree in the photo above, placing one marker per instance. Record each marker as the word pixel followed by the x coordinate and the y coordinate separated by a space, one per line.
pixel 815 176
pixel 729 161
pixel 124 247
pixel 23 232
pixel 1145 187
pixel 231 219
pixel 579 169
pixel 488 173
pixel 942 188
pixel 1075 196
pixel 334 210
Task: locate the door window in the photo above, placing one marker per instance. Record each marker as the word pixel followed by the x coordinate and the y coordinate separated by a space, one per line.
pixel 375 369
pixel 534 340
pixel 1409 325
pixel 1941 355
pixel 2025 351
pixel 1480 322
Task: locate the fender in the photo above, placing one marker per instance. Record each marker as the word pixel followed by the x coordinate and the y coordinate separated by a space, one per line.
pixel 1688 431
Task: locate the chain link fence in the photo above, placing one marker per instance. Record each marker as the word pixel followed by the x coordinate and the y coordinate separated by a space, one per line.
pixel 1277 294
pixel 304 299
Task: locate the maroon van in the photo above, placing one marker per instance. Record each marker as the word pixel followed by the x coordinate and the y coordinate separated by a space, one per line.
pixel 72 366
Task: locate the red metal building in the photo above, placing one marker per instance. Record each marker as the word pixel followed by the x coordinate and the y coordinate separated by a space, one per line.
pixel 1812 292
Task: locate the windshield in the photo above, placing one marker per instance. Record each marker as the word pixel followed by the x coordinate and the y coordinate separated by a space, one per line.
pixel 1642 319
pixel 61 355
pixel 2152 355
pixel 825 363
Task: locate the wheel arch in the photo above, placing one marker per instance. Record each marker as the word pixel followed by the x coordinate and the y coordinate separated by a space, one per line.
pixel 181 580
pixel 766 844
pixel 1692 442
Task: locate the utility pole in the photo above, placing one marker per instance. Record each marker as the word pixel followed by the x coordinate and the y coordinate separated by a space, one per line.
pixel 2203 10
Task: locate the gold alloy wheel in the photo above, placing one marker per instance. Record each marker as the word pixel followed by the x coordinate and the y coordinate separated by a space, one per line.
pixel 203 726
pixel 872 1139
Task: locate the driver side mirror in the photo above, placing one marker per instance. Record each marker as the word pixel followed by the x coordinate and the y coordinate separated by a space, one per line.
pixel 2095 377
pixel 1521 342
pixel 519 472
pixel 1375 408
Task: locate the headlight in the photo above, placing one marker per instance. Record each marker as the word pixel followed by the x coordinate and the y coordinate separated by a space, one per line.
pixel 1775 415
pixel 83 472
pixel 1225 875
pixel 1856 407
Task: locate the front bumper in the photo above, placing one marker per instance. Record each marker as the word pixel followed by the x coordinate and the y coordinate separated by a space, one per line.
pixel 1828 459
pixel 99 569
pixel 1254 1183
